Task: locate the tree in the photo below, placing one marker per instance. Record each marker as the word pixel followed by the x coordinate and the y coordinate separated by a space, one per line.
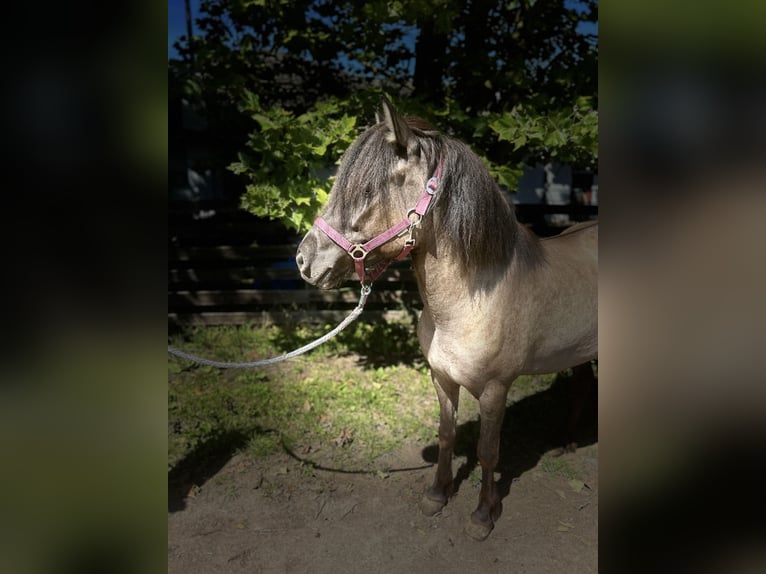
pixel 295 82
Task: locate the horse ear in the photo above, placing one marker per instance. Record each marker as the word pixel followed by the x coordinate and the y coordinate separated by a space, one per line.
pixel 400 133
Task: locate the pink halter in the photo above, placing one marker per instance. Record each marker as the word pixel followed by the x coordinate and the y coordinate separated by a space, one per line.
pixel 359 251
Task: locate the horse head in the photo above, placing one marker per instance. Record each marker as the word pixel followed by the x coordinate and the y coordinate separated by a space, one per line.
pixel 365 222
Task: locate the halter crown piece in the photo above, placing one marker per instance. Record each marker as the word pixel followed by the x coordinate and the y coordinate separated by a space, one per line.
pixel 359 251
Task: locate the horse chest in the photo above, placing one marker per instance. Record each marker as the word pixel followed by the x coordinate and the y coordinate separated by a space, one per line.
pixel 468 361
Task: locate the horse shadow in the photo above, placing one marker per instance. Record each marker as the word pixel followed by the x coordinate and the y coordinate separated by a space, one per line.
pixel 201 464
pixel 533 427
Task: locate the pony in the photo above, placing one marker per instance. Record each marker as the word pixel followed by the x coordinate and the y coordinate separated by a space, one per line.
pixel 498 301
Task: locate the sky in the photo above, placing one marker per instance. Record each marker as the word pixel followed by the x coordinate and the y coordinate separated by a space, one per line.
pixel 177 23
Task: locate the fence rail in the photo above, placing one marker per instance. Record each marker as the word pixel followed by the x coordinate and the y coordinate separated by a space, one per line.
pixel 217 276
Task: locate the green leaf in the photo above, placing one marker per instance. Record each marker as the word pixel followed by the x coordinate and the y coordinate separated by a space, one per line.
pixel 321 195
pixel 302 200
pixel 319 149
pixel 265 122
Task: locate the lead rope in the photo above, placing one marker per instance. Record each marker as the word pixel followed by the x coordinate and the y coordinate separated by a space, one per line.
pixel 366 289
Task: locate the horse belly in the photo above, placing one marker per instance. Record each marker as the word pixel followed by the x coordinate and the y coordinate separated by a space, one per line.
pixel 553 358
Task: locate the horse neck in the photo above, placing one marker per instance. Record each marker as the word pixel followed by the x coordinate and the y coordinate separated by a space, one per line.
pixel 470 242
pixel 444 281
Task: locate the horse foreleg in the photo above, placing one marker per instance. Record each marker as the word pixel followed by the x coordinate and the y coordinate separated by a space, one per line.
pixel 437 495
pixel 492 410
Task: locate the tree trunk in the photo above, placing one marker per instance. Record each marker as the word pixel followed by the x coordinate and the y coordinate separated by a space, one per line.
pixel 430 52
pixel 478 67
pixel 187 5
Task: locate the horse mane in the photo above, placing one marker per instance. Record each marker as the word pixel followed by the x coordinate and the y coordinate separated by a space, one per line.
pixel 470 213
pixel 469 210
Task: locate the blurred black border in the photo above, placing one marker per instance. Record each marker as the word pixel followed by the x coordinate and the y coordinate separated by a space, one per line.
pixel 681 117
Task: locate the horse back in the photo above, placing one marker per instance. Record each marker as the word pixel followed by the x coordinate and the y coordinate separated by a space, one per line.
pixel 578 242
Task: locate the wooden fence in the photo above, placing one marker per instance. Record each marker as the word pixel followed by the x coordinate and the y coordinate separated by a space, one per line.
pixel 216 276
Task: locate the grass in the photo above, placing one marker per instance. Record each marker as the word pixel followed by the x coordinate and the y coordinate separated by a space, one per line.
pixel 346 403
pixel 558 467
pixel 364 392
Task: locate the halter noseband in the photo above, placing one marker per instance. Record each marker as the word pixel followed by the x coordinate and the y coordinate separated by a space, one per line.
pixel 359 251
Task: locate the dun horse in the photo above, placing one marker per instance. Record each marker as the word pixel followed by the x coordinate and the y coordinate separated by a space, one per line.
pixel 497 301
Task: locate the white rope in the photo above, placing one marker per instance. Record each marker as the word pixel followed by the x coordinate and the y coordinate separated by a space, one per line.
pixel 306 348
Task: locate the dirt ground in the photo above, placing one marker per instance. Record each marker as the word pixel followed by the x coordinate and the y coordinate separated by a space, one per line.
pixel 277 514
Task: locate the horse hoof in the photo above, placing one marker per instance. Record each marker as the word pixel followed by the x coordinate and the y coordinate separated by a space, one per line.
pixel 430 507
pixel 477 530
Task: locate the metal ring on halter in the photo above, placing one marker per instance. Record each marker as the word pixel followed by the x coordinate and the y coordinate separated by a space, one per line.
pixel 415 223
pixel 431 190
pixel 355 251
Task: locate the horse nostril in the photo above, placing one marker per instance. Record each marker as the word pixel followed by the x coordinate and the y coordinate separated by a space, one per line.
pixel 299 260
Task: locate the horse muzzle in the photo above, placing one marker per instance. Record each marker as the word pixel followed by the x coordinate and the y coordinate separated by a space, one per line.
pixel 321 263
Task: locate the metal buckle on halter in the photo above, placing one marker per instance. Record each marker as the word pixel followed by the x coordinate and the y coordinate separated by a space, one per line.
pixel 431 190
pixel 357 252
pixel 410 231
pixel 413 223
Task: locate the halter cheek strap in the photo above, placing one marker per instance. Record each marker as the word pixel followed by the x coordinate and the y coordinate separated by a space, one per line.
pixel 359 251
